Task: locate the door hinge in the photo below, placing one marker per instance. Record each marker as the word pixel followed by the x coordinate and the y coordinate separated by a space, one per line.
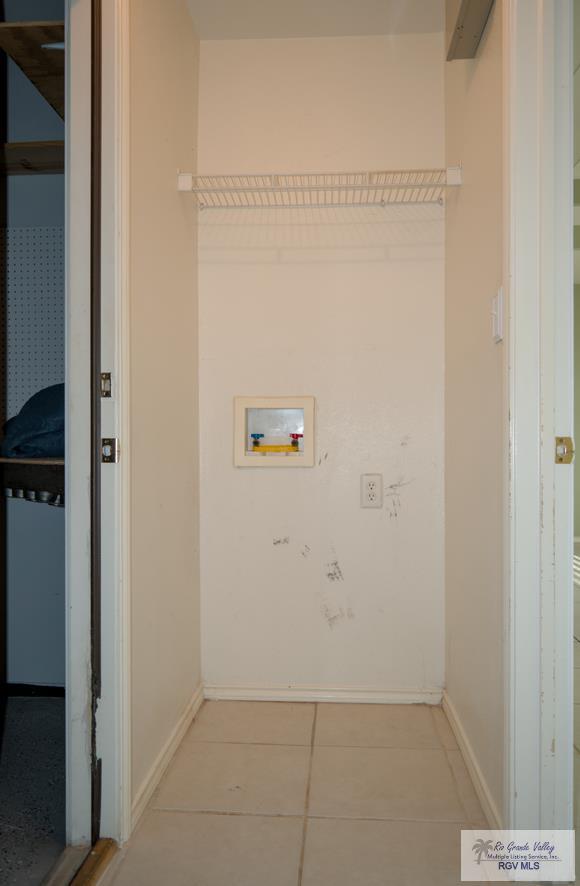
pixel 564 450
pixel 110 450
pixel 106 388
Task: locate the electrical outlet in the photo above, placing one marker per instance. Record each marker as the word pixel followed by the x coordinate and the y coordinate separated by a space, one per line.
pixel 371 491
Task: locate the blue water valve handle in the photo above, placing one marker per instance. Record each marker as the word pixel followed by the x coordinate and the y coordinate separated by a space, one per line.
pixel 256 438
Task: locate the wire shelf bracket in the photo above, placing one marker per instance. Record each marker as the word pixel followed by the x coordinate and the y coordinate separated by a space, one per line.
pixel 319 190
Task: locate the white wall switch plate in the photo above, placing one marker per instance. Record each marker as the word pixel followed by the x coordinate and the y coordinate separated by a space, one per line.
pixel 371 491
pixel 497 316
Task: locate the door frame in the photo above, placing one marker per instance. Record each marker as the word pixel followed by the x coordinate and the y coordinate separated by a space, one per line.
pixel 114 715
pixel 539 234
pixel 111 736
pixel 78 431
pixel 539 494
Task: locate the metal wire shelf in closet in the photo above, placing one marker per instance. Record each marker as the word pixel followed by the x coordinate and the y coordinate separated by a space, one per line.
pixel 319 190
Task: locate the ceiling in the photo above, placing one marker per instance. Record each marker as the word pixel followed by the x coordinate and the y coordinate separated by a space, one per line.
pixel 251 19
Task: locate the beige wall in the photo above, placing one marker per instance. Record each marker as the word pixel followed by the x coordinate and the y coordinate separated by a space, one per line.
pixel 346 305
pixel 475 426
pixel 163 341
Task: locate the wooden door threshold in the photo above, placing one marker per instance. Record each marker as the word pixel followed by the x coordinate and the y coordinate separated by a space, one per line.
pixel 81 865
pixel 96 863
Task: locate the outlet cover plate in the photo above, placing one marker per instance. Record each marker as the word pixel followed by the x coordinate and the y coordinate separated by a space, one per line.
pixel 371 491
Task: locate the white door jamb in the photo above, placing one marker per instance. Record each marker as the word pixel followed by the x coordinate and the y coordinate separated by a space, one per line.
pixel 113 712
pixel 539 665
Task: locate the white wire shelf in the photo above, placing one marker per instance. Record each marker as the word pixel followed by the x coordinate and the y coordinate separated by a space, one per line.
pixel 319 190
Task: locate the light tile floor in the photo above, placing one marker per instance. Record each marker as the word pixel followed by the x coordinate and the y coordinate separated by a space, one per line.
pixel 273 794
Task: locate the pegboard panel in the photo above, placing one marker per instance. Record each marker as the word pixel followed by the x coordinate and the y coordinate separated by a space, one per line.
pixel 35 310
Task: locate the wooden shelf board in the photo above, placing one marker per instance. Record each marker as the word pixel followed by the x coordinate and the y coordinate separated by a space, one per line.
pixel 32 475
pixel 23 42
pixel 32 158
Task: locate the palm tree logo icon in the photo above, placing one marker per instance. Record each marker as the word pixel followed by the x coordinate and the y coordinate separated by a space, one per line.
pixel 482 847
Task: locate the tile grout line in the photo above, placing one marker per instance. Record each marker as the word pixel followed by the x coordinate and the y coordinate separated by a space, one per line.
pixel 456 785
pixel 222 813
pixel 176 810
pixel 307 798
pixel 348 747
pixel 391 820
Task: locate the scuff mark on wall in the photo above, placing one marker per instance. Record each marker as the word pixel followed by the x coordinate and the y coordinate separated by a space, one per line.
pixel 332 616
pixel 305 551
pixel 323 457
pixel 406 440
pixel 333 571
pixel 335 614
pixel 281 541
pixel 393 497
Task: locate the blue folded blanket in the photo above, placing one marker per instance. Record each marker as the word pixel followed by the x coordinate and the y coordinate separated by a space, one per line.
pixel 38 429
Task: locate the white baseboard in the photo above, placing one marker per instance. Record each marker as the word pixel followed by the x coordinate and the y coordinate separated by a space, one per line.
pixel 323 693
pixel 480 785
pixel 156 772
